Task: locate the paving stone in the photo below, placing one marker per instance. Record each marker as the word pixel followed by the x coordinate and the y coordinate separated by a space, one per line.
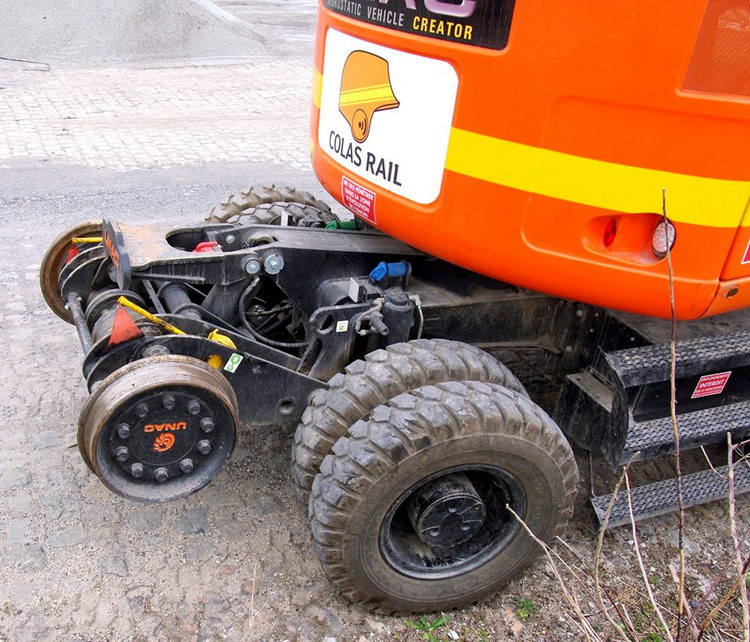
pixel 194 522
pixel 67 537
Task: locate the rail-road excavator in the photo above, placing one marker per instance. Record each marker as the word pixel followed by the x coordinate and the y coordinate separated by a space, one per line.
pixel 534 187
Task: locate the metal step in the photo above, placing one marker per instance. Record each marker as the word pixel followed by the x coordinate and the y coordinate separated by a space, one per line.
pixel 661 497
pixel 649 364
pixel 654 438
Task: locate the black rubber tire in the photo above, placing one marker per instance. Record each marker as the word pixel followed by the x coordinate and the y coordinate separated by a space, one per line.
pixel 414 436
pixel 235 210
pixel 382 375
pixel 299 215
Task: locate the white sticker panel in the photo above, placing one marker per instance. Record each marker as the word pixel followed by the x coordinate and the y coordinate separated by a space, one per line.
pixel 386 115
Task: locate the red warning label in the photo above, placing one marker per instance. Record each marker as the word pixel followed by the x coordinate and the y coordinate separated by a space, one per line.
pixel 746 257
pixel 712 384
pixel 359 200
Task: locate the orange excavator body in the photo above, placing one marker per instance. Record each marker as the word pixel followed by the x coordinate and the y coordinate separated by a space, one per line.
pixel 542 144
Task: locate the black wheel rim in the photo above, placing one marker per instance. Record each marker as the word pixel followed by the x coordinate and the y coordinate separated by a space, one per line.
pixel 408 552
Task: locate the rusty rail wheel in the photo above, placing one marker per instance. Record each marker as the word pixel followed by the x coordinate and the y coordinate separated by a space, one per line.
pixel 160 428
pixel 57 255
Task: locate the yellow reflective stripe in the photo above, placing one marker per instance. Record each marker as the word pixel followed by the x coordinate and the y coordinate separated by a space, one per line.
pixel 317 87
pixel 690 199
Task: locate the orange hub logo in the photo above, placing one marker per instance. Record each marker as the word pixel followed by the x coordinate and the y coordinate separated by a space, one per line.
pixel 164 442
pixel 165 427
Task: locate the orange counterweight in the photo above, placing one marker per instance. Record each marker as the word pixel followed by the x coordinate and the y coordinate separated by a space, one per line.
pixel 539 145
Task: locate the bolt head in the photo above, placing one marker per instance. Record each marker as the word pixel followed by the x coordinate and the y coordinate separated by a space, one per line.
pixel 194 407
pixel 274 263
pixel 187 466
pixel 252 267
pixel 136 470
pixel 204 446
pixel 230 238
pixel 168 402
pixel 141 410
pixel 161 475
pixel 122 454
pixel 123 431
pixel 207 425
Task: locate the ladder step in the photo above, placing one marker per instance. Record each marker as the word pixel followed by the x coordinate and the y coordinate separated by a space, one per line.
pixel 649 364
pixel 661 497
pixel 654 438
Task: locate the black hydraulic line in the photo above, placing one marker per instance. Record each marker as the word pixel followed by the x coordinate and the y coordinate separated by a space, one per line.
pixel 246 324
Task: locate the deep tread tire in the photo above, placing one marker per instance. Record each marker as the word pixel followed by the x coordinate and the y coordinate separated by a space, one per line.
pixel 405 441
pixel 234 210
pixel 298 215
pixel 382 375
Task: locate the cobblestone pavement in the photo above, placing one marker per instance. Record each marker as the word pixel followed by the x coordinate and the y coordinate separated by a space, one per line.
pixel 234 561
pixel 124 119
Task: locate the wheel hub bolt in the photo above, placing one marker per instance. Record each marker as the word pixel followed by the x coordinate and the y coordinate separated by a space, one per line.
pixel 207 424
pixel 136 470
pixel 204 446
pixel 161 475
pixel 194 407
pixel 122 454
pixel 123 431
pixel 168 402
pixel 187 466
pixel 141 410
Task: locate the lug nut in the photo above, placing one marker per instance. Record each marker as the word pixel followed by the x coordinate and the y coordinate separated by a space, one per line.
pixel 207 424
pixel 187 466
pixel 161 475
pixel 204 446
pixel 168 402
pixel 194 407
pixel 122 454
pixel 123 431
pixel 141 410
pixel 136 470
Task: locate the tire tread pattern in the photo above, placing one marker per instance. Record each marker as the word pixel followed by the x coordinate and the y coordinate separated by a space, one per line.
pixel 382 375
pixel 410 422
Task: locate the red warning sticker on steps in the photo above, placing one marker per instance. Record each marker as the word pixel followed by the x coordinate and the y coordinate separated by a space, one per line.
pixel 712 384
pixel 358 199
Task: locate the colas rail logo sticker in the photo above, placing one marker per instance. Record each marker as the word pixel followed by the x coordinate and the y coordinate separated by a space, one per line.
pixel 365 89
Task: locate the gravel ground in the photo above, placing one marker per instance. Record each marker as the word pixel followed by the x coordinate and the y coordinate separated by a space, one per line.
pixel 233 562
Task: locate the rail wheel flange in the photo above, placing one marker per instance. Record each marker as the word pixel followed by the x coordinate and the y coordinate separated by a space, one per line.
pixel 53 262
pixel 160 428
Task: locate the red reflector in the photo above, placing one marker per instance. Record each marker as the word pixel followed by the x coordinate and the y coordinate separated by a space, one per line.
pixel 72 253
pixel 610 232
pixel 206 246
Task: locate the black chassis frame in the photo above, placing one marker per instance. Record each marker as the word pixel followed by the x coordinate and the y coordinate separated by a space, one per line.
pixel 326 275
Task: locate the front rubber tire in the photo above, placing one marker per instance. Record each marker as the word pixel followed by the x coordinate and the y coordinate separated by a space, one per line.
pixel 382 375
pixel 468 426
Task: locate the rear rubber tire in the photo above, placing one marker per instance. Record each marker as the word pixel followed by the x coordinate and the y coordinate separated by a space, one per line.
pixel 419 436
pixel 382 375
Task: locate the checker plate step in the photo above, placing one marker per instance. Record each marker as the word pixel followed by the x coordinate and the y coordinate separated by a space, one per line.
pixel 661 497
pixel 655 438
pixel 638 366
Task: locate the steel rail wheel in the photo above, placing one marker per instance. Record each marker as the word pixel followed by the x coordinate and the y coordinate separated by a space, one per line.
pixel 54 260
pixel 410 512
pixel 159 428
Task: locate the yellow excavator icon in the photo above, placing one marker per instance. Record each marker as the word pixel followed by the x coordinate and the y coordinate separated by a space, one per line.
pixel 365 89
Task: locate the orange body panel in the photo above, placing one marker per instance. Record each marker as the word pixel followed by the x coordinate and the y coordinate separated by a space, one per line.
pixel 561 147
